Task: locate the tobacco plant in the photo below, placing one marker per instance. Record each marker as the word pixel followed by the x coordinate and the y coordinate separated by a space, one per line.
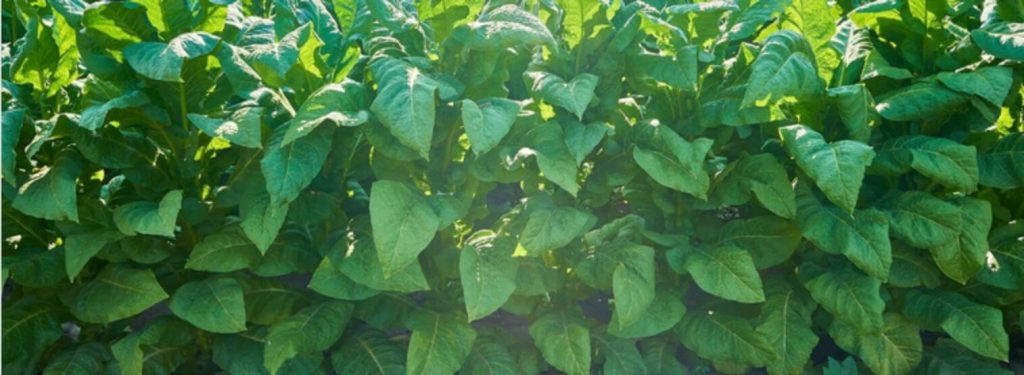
pixel 507 187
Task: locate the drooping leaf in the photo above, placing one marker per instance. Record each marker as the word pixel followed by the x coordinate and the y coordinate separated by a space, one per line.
pixel 837 168
pixel 564 342
pixel 214 305
pixel 759 176
pixel 786 322
pixel 847 294
pixel 726 271
pixel 439 342
pixel 1003 166
pixel 144 217
pixel 679 166
pixel 242 127
pixel 224 251
pixel 83 359
pixel 989 83
pixel 290 168
pixel 164 61
pixel 863 237
pixel 895 350
pixel 119 291
pixel 962 257
pixel 80 248
pixel 312 329
pixel 340 103
pixel 919 101
pixel 977 327
pixel 508 26
pixel 784 68
pixel 51 193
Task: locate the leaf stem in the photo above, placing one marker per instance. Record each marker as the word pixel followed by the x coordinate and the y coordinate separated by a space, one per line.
pixel 184 105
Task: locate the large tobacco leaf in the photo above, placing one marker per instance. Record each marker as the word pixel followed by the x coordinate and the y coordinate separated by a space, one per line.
pixel 503 187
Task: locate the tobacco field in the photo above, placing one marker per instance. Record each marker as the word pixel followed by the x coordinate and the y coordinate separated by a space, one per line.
pixel 513 187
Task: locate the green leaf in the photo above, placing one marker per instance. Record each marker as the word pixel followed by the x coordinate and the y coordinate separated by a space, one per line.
pixel 581 138
pixel 554 158
pixel 769 240
pixel 849 295
pixel 313 329
pixel 95 116
pixel 563 341
pixel 164 61
pixel 49 56
pixel 961 258
pixel 577 14
pixel 549 229
pixel 717 336
pixel 862 237
pixel 508 26
pixel 330 281
pixel 489 357
pixel 213 305
pixel 13 121
pixel 816 22
pixel 726 271
pixel 340 103
pixel 856 108
pixel 633 283
pixel 679 165
pixel 951 164
pixel 660 357
pixel 488 273
pixel 439 343
pixel 225 251
pixel 574 96
pixel 139 350
pixel 989 83
pixel 289 169
pixel 620 356
pixel 52 193
pixel 243 127
pixel 786 322
pixel 83 359
pixel 1002 167
pixel 261 219
pixel 837 168
pixel 895 350
pixel 784 68
pixel 660 315
pixel 977 327
pixel 1002 40
pixel 362 264
pixel 368 352
pixel 922 220
pixel 144 217
pixel 79 248
pixel 919 101
pixel 403 222
pixel 119 291
pixel 29 328
pixel 759 176
pixel 487 123
pixel 243 354
pixel 947 357
pixel 405 103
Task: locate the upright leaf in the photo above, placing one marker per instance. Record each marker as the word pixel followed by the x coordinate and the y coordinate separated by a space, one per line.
pixel 837 168
pixel 403 223
pixel 439 342
pixel 405 103
pixel 144 217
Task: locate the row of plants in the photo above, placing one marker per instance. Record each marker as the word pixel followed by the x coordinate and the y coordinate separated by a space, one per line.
pixel 512 187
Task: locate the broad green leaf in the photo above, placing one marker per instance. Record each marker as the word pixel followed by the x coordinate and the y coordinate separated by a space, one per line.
pixel 1002 167
pixel 403 224
pixel 49 56
pixel 242 353
pixel 362 264
pixel 95 116
pixel 1002 40
pixel 862 237
pixel 83 359
pixel 313 329
pixel 213 305
pixel 549 229
pixel 138 352
pixel 577 14
pixel 786 322
pixel 508 26
pixel 330 281
pixel 633 283
pixel 581 138
pixel 144 217
pixel 243 127
pixel 620 356
pixel 289 169
pixel 951 164
pixel 895 350
pixel 912 268
pixel 948 357
pixel 340 103
pixel 680 166
pixel 759 176
pixel 660 357
pixel 164 61
pixel 989 83
pixel 856 108
pixel 837 168
pixel 272 59
pixel 79 248
pixel 816 22
pixel 13 121
pixel 405 103
pixel 846 293
pixel 718 336
pixel 29 328
pixel 962 257
pixel 784 68
pixel 488 122
pixel 746 22
pixel 661 315
pixel 488 273
pixel 224 251
pixel 119 291
pixel 574 96
pixel 922 220
pixel 261 219
pixel 679 71
pixel 554 158
pixel 439 342
pixel 563 341
pixel 725 271
pixel 919 101
pixel 977 327
pixel 52 193
pixel 268 301
pixel 489 357
pixel 769 240
pixel 368 352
